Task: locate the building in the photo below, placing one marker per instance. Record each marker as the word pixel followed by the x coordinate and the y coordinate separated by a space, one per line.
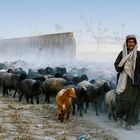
pixel 50 47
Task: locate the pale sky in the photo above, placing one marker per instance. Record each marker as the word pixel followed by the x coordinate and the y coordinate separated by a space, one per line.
pixel 19 18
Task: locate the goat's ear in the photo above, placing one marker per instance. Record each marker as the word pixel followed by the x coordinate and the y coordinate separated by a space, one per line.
pixel 71 93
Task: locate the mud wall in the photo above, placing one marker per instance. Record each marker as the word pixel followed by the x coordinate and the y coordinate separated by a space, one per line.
pixel 51 47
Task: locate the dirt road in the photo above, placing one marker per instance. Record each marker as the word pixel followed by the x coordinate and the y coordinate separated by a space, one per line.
pixel 20 121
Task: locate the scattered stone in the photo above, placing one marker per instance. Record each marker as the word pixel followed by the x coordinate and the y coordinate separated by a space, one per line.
pixel 39 125
pixel 20 121
pixel 61 133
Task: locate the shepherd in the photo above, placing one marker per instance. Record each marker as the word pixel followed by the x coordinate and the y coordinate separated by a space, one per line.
pixel 127 65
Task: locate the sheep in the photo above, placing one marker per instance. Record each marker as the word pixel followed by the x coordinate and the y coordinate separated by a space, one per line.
pixel 52 86
pixel 64 100
pixel 110 99
pixel 10 81
pixel 29 88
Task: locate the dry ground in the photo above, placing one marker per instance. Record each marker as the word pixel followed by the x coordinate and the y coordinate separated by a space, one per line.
pixel 21 121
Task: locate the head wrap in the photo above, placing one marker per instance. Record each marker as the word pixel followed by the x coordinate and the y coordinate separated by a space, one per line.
pixel 132 36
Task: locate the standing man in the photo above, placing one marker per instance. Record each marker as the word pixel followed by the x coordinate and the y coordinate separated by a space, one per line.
pixel 127 65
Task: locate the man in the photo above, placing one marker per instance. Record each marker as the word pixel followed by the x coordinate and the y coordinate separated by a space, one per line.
pixel 127 65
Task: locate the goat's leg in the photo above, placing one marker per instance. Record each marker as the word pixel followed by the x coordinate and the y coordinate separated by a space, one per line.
pixel 97 108
pixel 87 105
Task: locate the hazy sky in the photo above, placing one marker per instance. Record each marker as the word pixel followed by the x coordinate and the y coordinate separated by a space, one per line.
pixel 32 17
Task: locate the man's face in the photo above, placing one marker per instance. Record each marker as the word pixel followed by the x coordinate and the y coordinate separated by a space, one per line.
pixel 131 44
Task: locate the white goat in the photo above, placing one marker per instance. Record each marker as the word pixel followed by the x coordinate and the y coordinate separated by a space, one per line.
pixel 110 99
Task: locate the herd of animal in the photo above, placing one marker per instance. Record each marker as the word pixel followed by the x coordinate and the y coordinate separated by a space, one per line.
pixel 73 92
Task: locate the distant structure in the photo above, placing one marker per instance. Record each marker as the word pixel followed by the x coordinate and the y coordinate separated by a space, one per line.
pixel 51 47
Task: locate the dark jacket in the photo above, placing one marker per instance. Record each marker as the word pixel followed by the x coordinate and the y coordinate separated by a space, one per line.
pixel 137 68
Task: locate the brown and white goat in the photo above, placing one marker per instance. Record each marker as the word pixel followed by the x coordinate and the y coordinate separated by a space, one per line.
pixel 64 103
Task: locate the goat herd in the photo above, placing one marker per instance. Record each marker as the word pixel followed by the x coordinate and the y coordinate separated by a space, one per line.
pixel 69 89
